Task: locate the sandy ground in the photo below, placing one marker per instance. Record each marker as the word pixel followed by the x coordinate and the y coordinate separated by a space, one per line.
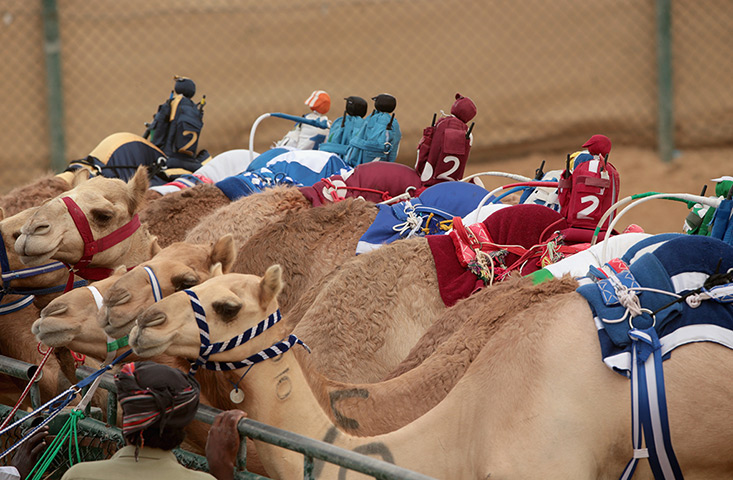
pixel 640 171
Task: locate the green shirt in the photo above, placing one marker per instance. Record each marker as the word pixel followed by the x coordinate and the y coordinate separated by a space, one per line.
pixel 153 464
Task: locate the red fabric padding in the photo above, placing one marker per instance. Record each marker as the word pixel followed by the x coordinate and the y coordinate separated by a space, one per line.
pixel 524 225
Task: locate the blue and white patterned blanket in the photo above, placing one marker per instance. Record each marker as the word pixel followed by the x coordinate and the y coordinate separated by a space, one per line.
pixel 405 219
pixel 674 263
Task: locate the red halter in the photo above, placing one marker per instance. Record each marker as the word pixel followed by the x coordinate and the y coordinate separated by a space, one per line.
pixel 92 246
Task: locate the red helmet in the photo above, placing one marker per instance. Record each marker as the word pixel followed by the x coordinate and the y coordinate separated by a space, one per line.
pixel 598 144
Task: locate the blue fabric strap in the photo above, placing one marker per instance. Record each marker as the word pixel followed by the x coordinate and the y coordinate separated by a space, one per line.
pixel 154 283
pixel 649 409
pixel 206 349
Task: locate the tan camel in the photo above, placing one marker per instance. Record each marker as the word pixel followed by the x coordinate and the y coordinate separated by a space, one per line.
pixel 245 216
pixel 71 321
pixel 172 216
pixel 108 204
pixel 536 402
pixel 181 265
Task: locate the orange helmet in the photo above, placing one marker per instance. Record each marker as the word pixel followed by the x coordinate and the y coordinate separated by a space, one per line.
pixel 319 101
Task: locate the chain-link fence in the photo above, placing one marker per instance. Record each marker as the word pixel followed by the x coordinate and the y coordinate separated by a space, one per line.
pixel 544 74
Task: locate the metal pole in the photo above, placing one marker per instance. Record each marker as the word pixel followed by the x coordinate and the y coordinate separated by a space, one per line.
pixel 665 134
pixel 52 49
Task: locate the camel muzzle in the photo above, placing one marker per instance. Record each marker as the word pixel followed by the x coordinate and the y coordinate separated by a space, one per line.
pixel 151 318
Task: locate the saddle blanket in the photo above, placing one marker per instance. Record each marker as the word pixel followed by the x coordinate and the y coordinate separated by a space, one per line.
pixel 281 166
pixel 679 264
pixel 422 215
pixel 522 225
pixel 373 181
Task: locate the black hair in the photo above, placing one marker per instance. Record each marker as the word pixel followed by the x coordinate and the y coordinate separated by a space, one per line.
pixel 168 439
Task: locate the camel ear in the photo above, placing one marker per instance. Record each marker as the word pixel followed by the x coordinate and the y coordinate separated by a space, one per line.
pixel 270 285
pixel 137 187
pixel 154 247
pixel 223 252
pixel 216 270
pixel 81 175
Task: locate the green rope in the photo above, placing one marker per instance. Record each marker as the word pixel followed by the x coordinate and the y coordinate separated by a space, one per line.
pixel 69 431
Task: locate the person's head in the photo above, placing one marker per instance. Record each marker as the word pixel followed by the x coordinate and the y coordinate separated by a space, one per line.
pixel 184 86
pixel 356 106
pixel 319 101
pixel 385 103
pixel 598 145
pixel 158 402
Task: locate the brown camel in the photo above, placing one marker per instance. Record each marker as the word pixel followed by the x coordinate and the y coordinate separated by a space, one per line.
pixel 27 196
pixel 172 216
pixel 309 243
pixel 179 266
pixel 243 217
pixel 536 401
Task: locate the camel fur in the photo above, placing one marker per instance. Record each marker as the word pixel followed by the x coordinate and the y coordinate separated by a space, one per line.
pixel 536 402
pixel 177 267
pixel 27 196
pixel 245 216
pixel 172 216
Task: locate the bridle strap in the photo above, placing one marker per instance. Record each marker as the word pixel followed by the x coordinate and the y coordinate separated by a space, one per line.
pixel 207 349
pixel 91 246
pixel 154 284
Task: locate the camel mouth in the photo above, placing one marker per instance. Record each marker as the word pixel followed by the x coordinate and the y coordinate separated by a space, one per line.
pixel 33 254
pixel 118 324
pixel 147 345
pixel 54 334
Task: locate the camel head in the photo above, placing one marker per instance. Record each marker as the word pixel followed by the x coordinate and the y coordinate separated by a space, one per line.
pixel 176 267
pixel 26 279
pixel 70 320
pixel 232 304
pixel 107 204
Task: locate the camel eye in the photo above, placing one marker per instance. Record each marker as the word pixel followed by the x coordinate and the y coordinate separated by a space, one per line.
pixel 184 282
pixel 227 310
pixel 102 216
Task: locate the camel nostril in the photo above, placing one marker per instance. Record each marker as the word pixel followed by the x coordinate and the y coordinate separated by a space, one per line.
pixel 16 234
pixel 39 229
pixel 54 309
pixel 151 318
pixel 117 296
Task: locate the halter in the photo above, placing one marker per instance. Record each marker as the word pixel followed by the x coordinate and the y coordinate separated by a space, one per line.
pixel 9 275
pixel 91 246
pixel 154 284
pixel 207 348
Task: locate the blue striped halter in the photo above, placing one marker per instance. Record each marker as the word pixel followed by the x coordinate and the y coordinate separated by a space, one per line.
pixel 207 348
pixel 7 275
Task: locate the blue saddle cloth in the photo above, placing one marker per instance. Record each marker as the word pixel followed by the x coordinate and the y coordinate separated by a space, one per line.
pixel 674 263
pixel 443 200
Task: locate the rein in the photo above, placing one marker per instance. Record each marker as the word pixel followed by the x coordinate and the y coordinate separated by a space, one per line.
pixel 207 348
pixel 92 246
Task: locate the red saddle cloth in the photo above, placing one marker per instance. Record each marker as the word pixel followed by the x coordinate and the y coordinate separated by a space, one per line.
pixel 522 226
pixel 374 181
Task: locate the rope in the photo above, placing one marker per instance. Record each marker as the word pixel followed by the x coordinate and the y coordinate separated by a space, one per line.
pixel 69 432
pixel 31 381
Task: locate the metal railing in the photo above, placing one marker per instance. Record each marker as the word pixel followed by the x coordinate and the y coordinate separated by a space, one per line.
pixel 310 449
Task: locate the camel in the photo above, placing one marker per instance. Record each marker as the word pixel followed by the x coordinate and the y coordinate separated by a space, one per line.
pixel 71 321
pixel 536 401
pixel 179 266
pixel 243 217
pixel 172 216
pixel 108 204
pixel 309 243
